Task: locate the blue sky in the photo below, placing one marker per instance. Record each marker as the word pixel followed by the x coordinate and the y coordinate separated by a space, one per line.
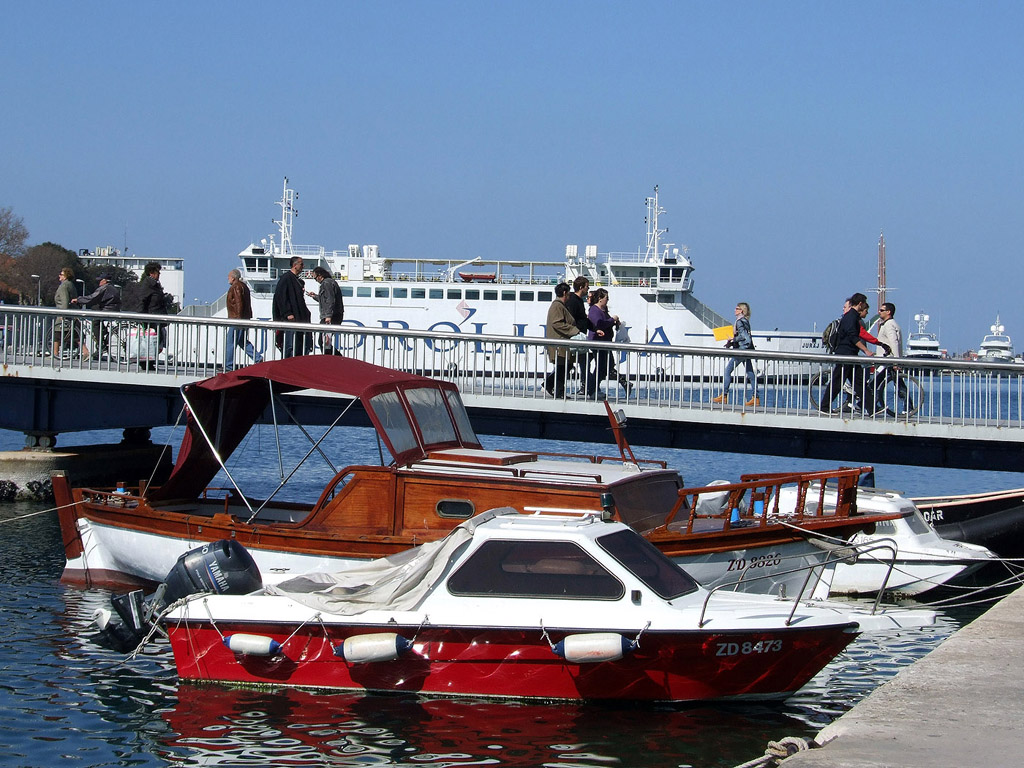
pixel 784 137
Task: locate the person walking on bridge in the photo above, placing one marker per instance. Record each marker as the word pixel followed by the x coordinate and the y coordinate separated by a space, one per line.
pixel 560 325
pixel 290 306
pixel 106 298
pixel 239 301
pixel 743 338
pixel 850 343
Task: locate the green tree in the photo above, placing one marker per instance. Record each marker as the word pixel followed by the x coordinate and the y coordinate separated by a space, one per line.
pixel 45 260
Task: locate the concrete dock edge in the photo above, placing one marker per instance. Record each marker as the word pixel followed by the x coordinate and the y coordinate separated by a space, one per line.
pixel 961 705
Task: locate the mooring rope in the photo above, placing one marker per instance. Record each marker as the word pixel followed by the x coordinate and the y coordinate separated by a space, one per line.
pixel 33 514
pixel 778 751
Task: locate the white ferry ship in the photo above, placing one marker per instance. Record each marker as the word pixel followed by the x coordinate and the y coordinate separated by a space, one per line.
pixel 922 343
pixel 651 289
pixel 996 347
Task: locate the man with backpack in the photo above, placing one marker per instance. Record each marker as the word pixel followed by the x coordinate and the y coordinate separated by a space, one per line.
pixel 848 341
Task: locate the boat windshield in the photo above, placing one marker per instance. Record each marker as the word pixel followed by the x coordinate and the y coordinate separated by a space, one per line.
pixel 552 569
pixel 428 409
pixel 647 563
pixel 461 417
pixel 389 411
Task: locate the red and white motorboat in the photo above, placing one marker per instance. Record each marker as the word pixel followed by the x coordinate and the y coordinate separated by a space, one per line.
pixel 511 605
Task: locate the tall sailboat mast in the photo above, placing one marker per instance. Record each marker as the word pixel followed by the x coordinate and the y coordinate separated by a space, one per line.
pixel 881 269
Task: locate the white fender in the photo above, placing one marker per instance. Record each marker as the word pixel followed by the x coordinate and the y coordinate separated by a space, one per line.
pixel 593 646
pixel 382 646
pixel 252 645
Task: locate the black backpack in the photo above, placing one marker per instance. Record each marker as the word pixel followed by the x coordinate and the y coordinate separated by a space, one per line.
pixel 830 336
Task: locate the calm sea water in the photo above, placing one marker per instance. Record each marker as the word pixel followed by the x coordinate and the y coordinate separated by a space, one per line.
pixel 69 702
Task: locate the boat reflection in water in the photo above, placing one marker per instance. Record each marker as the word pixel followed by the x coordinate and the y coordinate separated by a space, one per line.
pixel 215 726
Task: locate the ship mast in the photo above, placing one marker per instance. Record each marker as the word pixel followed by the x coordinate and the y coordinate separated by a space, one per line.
pixel 288 213
pixel 881 269
pixel 653 233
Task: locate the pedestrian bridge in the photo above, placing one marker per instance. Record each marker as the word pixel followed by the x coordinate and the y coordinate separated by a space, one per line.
pixel 70 371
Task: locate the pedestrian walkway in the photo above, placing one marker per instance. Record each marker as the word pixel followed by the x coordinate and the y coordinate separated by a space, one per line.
pixel 961 705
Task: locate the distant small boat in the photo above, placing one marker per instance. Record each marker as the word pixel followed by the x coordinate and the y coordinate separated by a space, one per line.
pixel 479 277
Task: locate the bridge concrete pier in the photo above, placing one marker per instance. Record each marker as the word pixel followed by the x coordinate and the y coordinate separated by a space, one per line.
pixel 25 474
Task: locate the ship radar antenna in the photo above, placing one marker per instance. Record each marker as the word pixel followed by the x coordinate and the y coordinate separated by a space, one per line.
pixel 288 214
pixel 653 233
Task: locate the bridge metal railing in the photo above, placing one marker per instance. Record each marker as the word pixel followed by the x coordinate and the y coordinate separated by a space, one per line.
pixel 677 382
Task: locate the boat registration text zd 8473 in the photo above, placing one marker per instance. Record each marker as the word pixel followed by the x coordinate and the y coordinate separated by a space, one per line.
pixel 748 648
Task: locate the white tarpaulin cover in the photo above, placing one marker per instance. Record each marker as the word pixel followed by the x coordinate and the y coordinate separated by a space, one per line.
pixel 396 583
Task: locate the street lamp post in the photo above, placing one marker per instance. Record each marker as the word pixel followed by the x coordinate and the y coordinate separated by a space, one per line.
pixel 39 290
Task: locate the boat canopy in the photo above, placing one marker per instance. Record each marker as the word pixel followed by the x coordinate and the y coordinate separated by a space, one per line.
pixel 412 414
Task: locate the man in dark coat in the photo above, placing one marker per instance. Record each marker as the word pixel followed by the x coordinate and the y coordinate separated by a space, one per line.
pixel 850 343
pixel 576 303
pixel 106 298
pixel 290 306
pixel 154 301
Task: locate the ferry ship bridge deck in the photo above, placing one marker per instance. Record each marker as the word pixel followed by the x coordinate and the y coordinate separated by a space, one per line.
pixel 934 413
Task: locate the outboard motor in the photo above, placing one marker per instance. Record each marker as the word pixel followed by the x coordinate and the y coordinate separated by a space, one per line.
pixel 223 567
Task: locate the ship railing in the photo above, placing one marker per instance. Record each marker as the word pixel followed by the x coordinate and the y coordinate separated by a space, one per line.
pixel 755 500
pixel 813 574
pixel 674 381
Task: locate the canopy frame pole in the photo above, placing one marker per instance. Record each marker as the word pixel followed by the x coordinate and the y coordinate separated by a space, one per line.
pixel 315 447
pixel 213 448
pixel 277 434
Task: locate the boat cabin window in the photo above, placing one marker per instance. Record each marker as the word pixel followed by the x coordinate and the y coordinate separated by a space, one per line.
pixel 363 291
pixel 461 418
pixel 558 569
pixel 508 295
pixel 346 290
pixel 490 295
pixel 400 293
pixel 454 293
pixel 432 417
pixel 389 411
pixel 381 292
pixel 545 296
pixel 647 563
pixel 436 293
pixel 419 293
pixel 526 296
pixel 473 294
pixel 459 508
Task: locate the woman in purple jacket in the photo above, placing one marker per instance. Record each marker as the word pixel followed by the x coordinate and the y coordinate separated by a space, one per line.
pixel 603 327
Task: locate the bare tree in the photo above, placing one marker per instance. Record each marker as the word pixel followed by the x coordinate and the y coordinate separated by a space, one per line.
pixel 13 233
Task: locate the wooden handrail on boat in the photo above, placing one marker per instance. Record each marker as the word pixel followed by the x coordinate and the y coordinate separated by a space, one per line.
pixel 763 492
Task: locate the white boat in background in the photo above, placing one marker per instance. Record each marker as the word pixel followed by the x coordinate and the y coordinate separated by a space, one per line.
pixel 922 343
pixel 651 288
pixel 996 347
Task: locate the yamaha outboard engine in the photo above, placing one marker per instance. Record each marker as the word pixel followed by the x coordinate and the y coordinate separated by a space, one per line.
pixel 224 567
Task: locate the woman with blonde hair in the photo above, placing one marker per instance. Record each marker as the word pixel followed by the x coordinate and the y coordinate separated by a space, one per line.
pixel 742 339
